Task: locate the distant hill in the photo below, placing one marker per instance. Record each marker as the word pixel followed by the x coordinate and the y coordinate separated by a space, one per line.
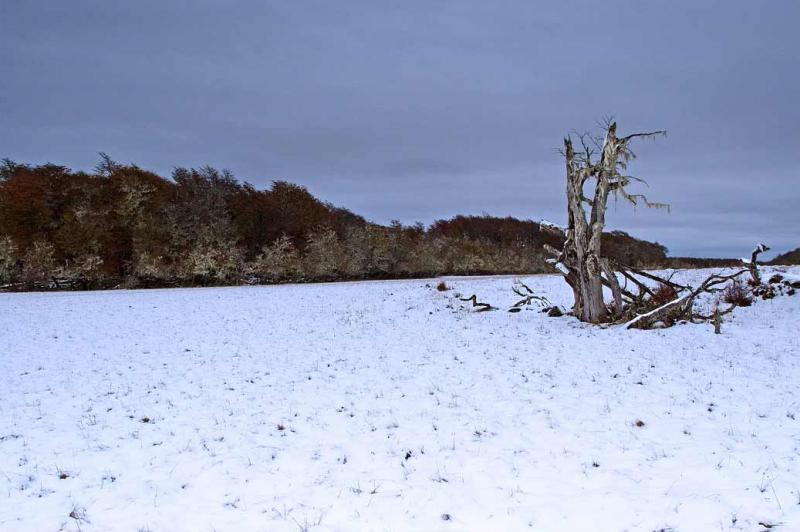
pixel 790 257
pixel 700 262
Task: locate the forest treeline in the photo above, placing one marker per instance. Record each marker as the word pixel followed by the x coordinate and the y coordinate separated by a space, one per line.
pixel 121 225
pixel 790 257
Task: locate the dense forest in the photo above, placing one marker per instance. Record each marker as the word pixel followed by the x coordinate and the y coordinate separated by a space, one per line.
pixel 121 225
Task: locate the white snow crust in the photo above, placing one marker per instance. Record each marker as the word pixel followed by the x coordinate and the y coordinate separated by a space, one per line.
pixel 390 406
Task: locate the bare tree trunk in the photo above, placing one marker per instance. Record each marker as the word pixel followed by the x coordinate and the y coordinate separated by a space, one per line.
pixel 582 252
pixel 753 266
pixel 581 260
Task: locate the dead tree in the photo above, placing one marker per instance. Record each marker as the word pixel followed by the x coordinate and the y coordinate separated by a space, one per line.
pixel 755 277
pixel 581 261
pixel 636 301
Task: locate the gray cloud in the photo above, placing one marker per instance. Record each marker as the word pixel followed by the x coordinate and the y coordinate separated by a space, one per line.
pixel 421 110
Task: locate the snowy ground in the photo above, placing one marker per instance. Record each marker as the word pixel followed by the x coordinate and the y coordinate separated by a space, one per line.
pixel 389 406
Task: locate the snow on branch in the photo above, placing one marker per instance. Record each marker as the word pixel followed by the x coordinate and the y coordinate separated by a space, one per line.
pixel 655 311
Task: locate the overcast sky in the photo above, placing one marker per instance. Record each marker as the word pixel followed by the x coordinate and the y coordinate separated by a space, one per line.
pixel 423 110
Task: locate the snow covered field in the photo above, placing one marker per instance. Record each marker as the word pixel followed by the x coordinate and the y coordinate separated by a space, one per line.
pixel 389 406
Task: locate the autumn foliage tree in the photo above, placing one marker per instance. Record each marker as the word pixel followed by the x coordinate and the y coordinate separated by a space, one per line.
pixel 121 225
